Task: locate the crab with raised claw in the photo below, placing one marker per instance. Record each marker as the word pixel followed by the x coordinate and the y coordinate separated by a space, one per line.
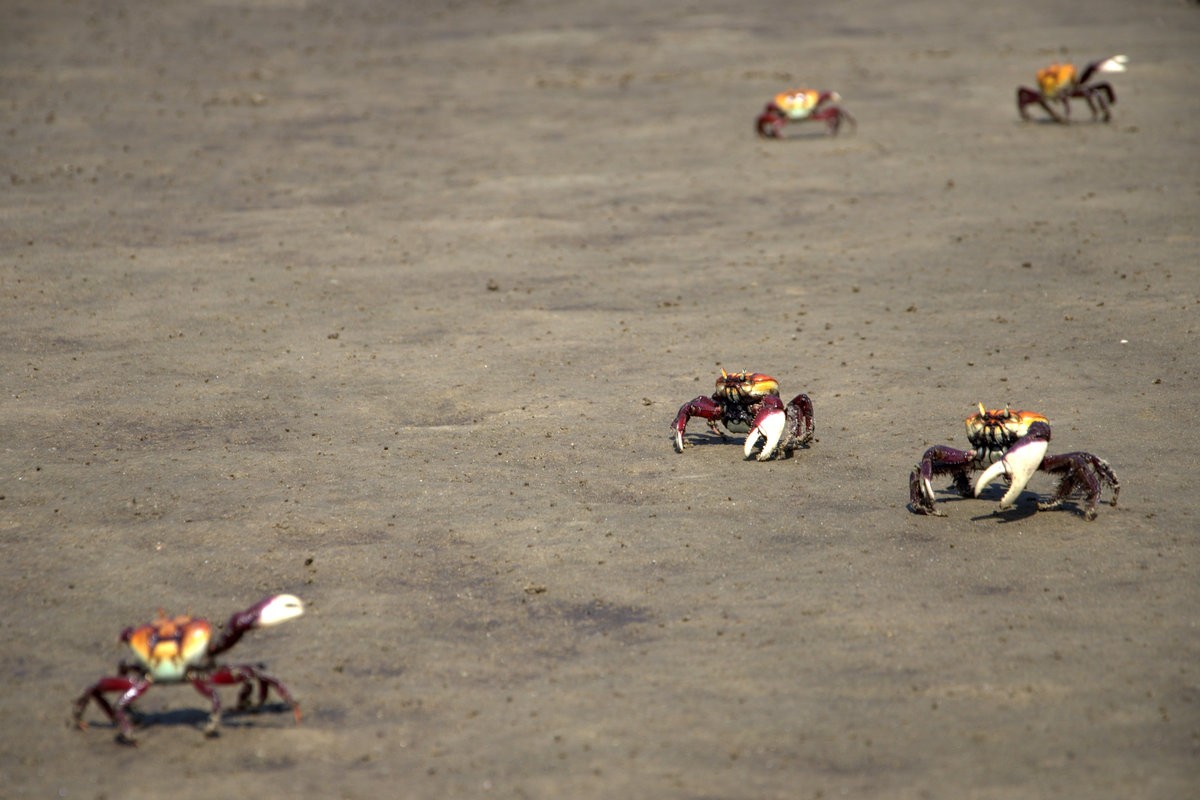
pixel 1058 83
pixel 1012 444
pixel 800 105
pixel 748 402
pixel 184 649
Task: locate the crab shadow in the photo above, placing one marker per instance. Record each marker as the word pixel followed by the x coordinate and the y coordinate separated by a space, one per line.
pixel 1026 505
pixel 195 718
pixel 709 438
pixel 1022 510
pixel 1054 123
pixel 813 135
pixel 736 441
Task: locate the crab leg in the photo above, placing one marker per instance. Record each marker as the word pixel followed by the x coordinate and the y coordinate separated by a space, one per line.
pixel 130 691
pixel 214 717
pixel 833 118
pixel 702 406
pixel 1027 97
pixel 246 674
pixel 800 418
pixel 938 460
pixel 770 122
pixel 1080 471
pixel 1098 98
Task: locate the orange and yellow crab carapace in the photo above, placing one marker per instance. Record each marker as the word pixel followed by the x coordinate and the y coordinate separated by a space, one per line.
pixel 167 647
pixel 799 103
pixel 996 428
pixel 1055 79
pixel 746 384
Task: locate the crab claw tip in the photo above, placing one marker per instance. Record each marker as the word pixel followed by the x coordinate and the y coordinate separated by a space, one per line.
pixel 1019 464
pixel 678 441
pixel 280 608
pixel 770 427
pixel 988 475
pixel 1115 64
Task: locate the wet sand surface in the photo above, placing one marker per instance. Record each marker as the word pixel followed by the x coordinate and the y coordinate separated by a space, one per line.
pixel 390 306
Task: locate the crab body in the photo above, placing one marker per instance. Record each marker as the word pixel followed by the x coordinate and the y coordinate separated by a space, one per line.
pixel 1012 444
pixel 992 433
pixel 183 649
pixel 800 105
pixel 748 402
pixel 1059 83
pixel 167 648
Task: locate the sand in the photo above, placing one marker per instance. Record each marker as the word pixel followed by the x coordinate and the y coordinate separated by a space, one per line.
pixel 391 306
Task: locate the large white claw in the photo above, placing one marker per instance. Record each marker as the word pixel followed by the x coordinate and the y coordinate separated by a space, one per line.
pixel 280 609
pixel 678 442
pixel 771 429
pixel 1018 464
pixel 1114 64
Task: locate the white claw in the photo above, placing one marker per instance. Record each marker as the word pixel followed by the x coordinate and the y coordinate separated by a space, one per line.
pixel 771 429
pixel 280 609
pixel 751 439
pixel 1114 64
pixel 678 442
pixel 1018 464
pixel 990 474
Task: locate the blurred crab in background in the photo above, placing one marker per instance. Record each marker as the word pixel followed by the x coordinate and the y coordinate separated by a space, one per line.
pixel 1058 83
pixel 749 402
pixel 179 649
pixel 799 105
pixel 1012 444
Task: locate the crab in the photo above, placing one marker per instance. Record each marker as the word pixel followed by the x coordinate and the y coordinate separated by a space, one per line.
pixel 1058 83
pixel 1012 444
pixel 183 648
pixel 799 105
pixel 748 402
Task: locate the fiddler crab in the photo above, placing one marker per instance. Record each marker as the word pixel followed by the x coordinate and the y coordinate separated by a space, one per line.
pixel 183 648
pixel 748 402
pixel 1058 83
pixel 1012 444
pixel 799 105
